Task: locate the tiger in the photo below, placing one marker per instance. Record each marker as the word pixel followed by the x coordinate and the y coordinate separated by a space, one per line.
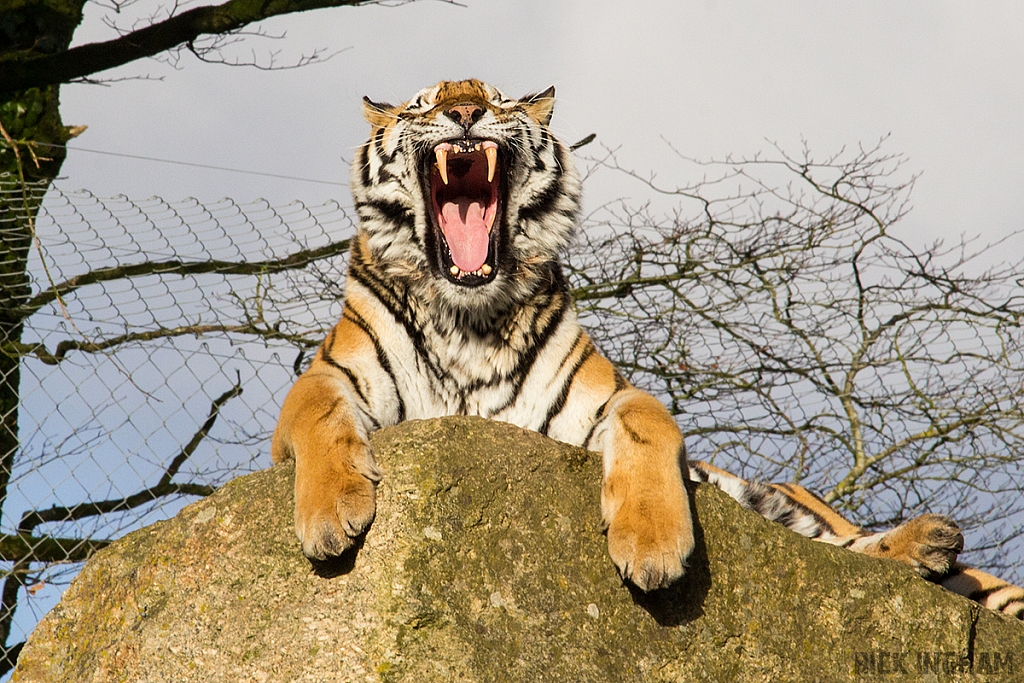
pixel 456 304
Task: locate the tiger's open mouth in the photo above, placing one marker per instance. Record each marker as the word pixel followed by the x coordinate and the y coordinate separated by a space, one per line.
pixel 465 182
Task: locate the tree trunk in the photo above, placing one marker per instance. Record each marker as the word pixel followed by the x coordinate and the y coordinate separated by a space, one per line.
pixel 30 27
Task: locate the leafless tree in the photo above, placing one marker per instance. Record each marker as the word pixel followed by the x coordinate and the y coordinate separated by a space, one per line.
pixel 798 337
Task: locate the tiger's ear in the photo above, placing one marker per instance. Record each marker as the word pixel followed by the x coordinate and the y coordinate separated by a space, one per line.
pixel 540 106
pixel 378 114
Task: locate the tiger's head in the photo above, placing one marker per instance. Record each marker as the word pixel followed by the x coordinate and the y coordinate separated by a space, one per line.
pixel 465 194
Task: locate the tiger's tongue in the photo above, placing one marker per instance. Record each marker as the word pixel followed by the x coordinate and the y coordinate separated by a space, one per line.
pixel 465 230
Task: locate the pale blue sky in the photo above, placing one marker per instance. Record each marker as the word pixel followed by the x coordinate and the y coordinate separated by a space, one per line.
pixel 944 79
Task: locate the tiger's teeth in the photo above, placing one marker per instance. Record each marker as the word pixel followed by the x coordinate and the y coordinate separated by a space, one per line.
pixel 482 271
pixel 442 165
pixel 492 161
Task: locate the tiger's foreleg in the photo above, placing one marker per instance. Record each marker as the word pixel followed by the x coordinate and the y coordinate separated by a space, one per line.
pixel 335 473
pixel 643 501
pixel 929 543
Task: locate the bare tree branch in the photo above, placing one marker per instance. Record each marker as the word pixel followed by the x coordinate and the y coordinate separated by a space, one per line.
pixel 40 352
pixel 299 259
pixel 47 549
pixel 18 72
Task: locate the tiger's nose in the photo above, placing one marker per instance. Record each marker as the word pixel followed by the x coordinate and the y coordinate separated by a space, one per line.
pixel 465 114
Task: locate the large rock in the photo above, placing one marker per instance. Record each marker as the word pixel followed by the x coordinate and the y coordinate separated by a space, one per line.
pixel 487 563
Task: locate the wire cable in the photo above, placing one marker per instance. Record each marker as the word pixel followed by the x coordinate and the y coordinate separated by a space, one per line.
pixel 194 165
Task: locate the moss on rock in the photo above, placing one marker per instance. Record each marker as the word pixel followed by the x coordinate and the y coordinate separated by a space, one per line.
pixel 487 563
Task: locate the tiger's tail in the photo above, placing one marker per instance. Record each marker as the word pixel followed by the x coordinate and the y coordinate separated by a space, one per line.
pixel 987 590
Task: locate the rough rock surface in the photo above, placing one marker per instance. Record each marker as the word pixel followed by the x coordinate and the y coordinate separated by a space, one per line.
pixel 487 563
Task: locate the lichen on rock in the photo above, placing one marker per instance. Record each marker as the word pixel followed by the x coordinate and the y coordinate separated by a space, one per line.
pixel 487 563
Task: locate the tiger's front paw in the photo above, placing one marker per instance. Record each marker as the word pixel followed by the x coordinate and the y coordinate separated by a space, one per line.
pixel 649 540
pixel 333 508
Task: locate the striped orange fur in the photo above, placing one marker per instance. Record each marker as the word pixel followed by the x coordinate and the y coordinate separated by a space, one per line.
pixel 929 543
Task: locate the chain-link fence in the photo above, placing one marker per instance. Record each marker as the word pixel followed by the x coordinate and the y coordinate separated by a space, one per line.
pixel 154 344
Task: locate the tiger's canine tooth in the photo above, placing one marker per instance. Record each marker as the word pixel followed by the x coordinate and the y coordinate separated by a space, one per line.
pixel 442 164
pixel 485 269
pixel 492 161
pixel 454 270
